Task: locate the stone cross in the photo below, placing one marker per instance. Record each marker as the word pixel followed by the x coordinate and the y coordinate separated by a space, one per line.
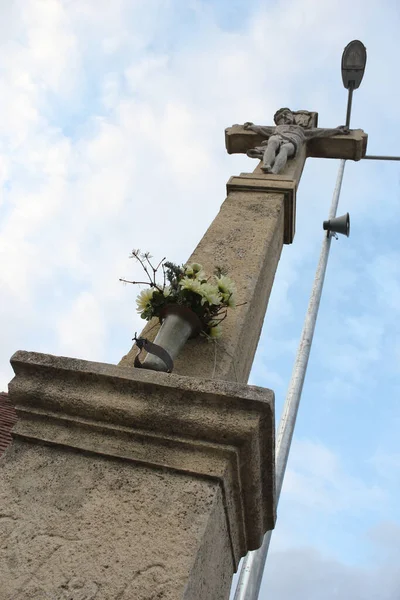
pixel 125 483
pixel 286 139
pixel 283 149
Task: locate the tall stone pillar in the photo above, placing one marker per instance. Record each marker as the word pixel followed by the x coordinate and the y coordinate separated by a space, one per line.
pixel 123 484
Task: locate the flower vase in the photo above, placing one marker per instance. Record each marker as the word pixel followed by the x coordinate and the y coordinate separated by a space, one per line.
pixel 179 323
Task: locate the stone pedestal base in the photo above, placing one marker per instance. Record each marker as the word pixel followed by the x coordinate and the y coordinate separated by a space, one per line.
pixel 128 484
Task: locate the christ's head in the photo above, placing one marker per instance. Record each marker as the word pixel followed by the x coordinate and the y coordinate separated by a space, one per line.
pixel 284 116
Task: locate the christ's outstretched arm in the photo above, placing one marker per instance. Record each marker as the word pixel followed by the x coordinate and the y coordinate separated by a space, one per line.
pixel 264 130
pixel 320 132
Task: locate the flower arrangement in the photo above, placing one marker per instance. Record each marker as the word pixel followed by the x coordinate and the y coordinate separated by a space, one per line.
pixel 208 297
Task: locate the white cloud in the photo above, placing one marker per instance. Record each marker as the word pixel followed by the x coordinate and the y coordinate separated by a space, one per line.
pixel 385 272
pixel 387 463
pixel 304 573
pixel 386 536
pixel 82 326
pixel 316 479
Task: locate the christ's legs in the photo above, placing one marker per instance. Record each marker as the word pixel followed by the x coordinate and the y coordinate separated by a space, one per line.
pixel 270 153
pixel 286 151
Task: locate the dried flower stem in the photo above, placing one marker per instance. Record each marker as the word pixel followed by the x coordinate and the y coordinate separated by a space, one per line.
pixel 150 283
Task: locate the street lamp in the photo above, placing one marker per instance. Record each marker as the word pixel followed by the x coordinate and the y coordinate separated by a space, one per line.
pixel 354 58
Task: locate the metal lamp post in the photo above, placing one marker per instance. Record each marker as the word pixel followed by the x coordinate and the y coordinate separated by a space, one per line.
pixel 354 59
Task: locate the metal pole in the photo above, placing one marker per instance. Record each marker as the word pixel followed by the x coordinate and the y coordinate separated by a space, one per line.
pixel 253 565
pixel 251 573
pixel 349 103
pixel 374 157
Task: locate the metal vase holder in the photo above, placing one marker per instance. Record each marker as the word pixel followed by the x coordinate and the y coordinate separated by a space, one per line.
pixel 179 323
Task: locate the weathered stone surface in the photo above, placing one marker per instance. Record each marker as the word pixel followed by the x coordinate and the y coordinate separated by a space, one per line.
pixel 246 239
pixel 349 147
pixel 270 184
pixel 7 421
pixel 82 527
pixel 124 483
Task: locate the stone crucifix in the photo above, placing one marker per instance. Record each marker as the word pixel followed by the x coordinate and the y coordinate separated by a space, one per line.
pixel 283 149
pixel 285 139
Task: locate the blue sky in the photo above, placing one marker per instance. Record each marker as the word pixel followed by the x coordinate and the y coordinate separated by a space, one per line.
pixel 112 137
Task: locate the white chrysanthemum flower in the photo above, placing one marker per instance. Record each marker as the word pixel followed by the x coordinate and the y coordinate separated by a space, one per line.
pixel 225 285
pixel 201 276
pixel 198 271
pixel 189 271
pixel 210 294
pixel 215 332
pixel 190 284
pixel 195 270
pixel 144 298
pixel 229 300
pixel 166 291
pixel 227 289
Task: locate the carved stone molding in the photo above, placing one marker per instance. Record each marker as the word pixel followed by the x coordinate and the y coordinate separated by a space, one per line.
pixel 209 429
pixel 274 184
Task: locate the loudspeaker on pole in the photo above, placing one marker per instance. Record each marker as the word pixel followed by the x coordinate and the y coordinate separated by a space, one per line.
pixel 338 225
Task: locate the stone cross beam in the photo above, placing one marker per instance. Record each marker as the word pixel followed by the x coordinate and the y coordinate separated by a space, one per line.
pixel 238 140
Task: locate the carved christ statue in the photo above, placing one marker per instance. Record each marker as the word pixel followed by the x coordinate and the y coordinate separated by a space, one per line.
pixel 284 140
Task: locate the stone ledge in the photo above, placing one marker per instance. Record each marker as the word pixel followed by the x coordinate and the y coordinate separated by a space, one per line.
pixel 210 429
pixel 273 184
